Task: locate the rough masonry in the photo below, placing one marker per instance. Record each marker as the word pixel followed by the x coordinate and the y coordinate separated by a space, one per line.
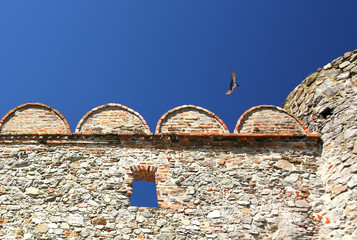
pixel 327 102
pixel 272 178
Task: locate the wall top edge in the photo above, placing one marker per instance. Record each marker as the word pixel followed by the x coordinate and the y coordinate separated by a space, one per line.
pixel 158 137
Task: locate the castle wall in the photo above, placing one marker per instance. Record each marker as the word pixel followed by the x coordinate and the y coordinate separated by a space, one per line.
pixel 211 184
pixel 80 188
pixel 326 101
pixel 270 179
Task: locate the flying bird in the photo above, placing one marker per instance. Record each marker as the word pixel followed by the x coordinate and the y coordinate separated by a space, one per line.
pixel 233 84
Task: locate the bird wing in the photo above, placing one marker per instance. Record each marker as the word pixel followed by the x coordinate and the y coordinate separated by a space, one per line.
pixel 233 83
pixel 234 76
pixel 229 92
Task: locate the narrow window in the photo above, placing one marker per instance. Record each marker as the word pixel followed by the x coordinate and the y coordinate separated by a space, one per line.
pixel 144 189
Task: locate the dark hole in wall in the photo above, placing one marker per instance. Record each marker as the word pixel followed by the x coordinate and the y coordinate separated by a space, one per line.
pixel 326 112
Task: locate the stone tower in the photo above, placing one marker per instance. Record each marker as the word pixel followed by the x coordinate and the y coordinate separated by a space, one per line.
pixel 326 101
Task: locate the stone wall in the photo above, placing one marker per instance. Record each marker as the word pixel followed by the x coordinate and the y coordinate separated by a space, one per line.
pixel 327 102
pixel 76 188
pixel 273 178
pixel 210 184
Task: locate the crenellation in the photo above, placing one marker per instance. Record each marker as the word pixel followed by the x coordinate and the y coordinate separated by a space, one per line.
pixel 268 119
pixel 33 118
pixel 270 179
pixel 191 119
pixel 112 119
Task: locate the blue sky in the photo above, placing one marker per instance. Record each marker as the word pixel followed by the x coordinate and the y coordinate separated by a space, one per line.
pixel 155 55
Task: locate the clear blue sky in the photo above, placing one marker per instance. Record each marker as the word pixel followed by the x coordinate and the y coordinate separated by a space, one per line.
pixel 155 55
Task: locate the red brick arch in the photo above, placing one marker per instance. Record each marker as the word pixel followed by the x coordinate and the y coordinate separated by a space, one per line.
pixel 56 123
pixel 192 120
pixel 97 117
pixel 144 173
pixel 270 119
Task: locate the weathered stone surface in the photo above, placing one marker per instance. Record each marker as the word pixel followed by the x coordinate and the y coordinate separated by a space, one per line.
pixel 208 186
pixel 86 191
pixel 41 228
pixel 344 64
pixel 310 79
pixel 302 204
pixel 285 165
pixel 343 76
pixel 33 191
pixel 214 214
pixel 354 70
pixel 99 221
pixel 75 220
pixel 352 182
pixel 332 113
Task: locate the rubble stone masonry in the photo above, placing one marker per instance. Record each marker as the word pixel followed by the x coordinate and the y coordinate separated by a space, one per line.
pixel 327 102
pixel 272 178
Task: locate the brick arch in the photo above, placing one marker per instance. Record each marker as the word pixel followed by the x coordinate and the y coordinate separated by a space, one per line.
pixel 269 119
pixel 143 172
pixel 112 118
pixel 34 118
pixel 191 119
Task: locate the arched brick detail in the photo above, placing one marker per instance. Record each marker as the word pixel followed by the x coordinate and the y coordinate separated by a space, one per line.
pixel 269 119
pixel 34 118
pixel 112 118
pixel 192 120
pixel 144 173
